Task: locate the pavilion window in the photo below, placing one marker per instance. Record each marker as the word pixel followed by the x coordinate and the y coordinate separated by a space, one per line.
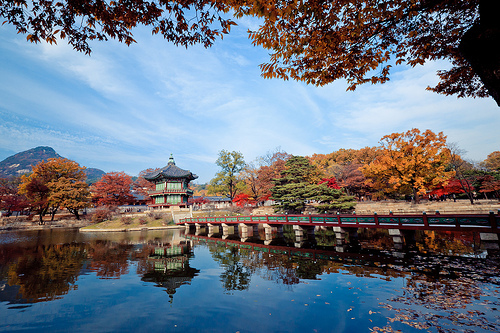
pixel 160 186
pixel 159 200
pixel 174 186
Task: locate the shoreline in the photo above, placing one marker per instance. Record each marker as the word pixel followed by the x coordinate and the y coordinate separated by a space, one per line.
pixel 131 229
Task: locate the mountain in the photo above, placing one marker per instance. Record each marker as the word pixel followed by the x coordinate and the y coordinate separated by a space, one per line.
pixel 93 175
pixel 21 163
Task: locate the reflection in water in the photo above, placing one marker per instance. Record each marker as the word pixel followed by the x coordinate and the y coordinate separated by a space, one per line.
pixel 46 273
pixel 215 279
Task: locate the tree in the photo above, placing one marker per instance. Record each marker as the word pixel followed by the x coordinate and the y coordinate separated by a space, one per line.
pixel 59 182
pixel 410 163
pixel 492 162
pixel 10 199
pixel 464 173
pixel 272 164
pixel 491 183
pixel 359 40
pixel 312 41
pixel 74 195
pixel 298 185
pixel 113 189
pixel 226 180
pixel 180 22
pixel 143 186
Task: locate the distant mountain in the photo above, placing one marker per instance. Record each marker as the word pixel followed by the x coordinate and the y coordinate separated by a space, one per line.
pixel 93 175
pixel 21 163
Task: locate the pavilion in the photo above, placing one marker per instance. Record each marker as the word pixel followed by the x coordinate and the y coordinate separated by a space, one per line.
pixel 171 186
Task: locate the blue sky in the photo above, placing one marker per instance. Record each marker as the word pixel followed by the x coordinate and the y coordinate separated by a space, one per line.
pixel 128 108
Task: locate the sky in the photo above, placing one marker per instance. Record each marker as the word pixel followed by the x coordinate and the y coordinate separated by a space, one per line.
pixel 127 108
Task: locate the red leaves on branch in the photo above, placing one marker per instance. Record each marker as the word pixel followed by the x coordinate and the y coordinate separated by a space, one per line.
pixel 113 189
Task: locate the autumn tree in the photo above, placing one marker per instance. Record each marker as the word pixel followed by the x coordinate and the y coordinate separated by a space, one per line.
pixel 59 182
pixel 492 162
pixel 312 41
pixel 271 166
pixel 345 165
pixel 143 186
pixel 10 199
pixel 319 42
pixel 226 181
pixel 410 163
pixel 113 189
pixel 180 22
pixel 463 181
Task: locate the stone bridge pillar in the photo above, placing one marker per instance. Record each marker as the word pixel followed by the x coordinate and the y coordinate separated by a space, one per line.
pixel 199 228
pixel 301 233
pixel 340 237
pixel 402 238
pixel 248 230
pixel 270 229
pixel 489 241
pixel 229 229
pixel 213 229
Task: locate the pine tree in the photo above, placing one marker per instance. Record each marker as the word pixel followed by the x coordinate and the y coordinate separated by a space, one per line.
pixel 298 186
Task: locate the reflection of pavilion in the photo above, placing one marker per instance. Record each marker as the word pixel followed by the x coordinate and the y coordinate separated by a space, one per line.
pixel 169 268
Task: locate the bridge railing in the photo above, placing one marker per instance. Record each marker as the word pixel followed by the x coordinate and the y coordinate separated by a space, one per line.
pixel 413 221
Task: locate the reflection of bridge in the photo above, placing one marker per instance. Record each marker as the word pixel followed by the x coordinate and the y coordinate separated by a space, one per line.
pixel 400 227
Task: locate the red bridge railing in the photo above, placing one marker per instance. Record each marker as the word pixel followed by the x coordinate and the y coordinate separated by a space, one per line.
pixel 473 222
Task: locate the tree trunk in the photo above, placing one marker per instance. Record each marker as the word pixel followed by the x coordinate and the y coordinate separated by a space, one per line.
pixel 53 214
pixel 479 46
pixel 415 196
pixel 40 222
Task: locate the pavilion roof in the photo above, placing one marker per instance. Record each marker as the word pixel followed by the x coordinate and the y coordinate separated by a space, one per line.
pixel 171 171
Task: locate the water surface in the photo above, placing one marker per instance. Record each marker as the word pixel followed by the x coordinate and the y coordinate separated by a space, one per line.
pixel 160 281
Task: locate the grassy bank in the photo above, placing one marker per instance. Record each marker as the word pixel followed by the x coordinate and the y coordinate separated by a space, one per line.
pixel 137 221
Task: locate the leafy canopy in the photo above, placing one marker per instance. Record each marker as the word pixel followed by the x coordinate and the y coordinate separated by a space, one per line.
pixel 226 181
pixel 113 189
pixel 314 41
pixel 58 182
pixel 410 162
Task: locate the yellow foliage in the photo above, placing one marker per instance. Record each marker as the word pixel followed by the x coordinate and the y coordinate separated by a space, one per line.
pixel 410 162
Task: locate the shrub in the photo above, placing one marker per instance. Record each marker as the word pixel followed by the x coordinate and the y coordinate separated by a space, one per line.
pixel 126 220
pixel 142 220
pixel 101 214
pixel 156 215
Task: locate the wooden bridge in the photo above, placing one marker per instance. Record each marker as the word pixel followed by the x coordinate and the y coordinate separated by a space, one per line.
pixel 400 227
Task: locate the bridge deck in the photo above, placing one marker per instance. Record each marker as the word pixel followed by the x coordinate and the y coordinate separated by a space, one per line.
pixel 454 222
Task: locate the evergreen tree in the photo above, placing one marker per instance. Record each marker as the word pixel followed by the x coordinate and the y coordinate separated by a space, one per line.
pixel 298 185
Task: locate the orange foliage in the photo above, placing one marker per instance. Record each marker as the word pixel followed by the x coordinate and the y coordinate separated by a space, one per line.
pixel 410 162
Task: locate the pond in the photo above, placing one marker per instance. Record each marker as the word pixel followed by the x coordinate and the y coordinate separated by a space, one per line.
pixel 165 281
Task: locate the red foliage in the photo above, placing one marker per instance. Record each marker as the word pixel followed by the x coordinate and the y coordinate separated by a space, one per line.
pixel 242 200
pixel 113 189
pixel 453 186
pixel 330 182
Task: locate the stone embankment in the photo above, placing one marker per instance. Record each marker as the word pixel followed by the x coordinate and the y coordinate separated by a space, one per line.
pixel 22 224
pixel 444 207
pixel 402 207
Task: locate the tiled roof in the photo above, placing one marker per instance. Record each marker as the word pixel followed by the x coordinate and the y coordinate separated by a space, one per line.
pixel 170 171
